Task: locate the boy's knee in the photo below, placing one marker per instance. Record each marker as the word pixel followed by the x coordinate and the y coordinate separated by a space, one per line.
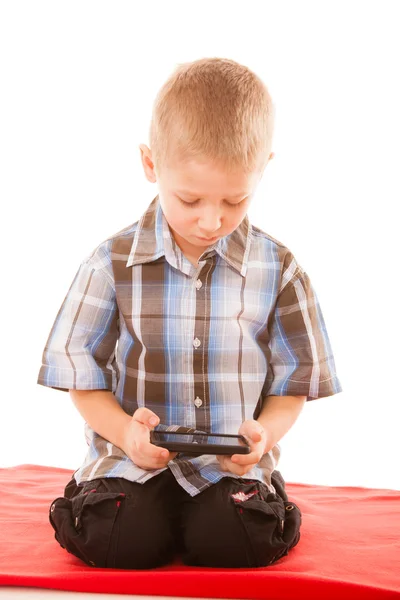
pixel 108 529
pixel 243 526
pixel 144 541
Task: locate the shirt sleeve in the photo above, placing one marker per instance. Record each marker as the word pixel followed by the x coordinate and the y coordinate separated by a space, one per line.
pixel 81 344
pixel 301 361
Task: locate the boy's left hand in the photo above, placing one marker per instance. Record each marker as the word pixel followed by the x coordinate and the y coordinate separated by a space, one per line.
pixel 240 464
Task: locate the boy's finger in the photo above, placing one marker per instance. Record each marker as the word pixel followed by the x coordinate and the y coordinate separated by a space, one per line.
pixel 222 462
pixel 153 451
pixel 167 457
pixel 245 459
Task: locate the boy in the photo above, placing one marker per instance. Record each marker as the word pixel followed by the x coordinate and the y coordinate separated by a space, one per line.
pixel 189 319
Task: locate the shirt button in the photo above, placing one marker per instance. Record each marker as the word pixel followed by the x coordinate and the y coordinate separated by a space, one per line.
pixel 198 402
pixel 198 284
pixel 196 343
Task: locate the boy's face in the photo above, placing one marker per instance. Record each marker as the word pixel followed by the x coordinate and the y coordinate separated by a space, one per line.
pixel 200 200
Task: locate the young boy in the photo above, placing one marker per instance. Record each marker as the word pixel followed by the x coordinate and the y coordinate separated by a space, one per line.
pixel 190 319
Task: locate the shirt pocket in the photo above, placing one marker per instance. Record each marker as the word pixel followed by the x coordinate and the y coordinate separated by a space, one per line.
pixel 84 524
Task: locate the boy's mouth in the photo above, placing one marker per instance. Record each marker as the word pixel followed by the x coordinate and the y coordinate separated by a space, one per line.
pixel 207 239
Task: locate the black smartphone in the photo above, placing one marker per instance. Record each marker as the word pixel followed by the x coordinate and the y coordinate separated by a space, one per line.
pixel 200 443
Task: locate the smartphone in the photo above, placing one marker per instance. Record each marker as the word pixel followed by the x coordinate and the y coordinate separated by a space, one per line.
pixel 200 443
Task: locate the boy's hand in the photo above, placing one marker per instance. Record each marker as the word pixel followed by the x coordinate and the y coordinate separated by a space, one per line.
pixel 136 441
pixel 240 464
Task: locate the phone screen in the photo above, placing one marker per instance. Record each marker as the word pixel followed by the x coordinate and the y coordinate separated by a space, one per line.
pixel 198 438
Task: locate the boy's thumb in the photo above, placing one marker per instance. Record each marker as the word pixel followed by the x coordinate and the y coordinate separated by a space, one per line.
pixel 146 417
pixel 255 435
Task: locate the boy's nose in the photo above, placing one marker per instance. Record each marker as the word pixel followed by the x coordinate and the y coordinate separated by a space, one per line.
pixel 210 227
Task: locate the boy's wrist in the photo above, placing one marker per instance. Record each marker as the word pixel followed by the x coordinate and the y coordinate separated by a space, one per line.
pixel 277 416
pixel 124 432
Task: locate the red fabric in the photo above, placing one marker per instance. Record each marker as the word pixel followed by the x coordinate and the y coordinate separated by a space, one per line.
pixel 349 548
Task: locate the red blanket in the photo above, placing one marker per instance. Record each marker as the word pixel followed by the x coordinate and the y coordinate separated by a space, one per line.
pixel 349 548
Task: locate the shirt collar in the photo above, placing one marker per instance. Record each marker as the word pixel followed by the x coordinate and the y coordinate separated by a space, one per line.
pixel 153 239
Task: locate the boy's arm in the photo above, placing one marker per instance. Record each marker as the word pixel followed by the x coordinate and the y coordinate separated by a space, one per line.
pixel 103 413
pixel 278 414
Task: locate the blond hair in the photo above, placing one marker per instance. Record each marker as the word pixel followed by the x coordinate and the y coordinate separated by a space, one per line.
pixel 212 109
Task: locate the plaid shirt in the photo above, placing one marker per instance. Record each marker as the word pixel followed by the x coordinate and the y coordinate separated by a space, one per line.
pixel 199 346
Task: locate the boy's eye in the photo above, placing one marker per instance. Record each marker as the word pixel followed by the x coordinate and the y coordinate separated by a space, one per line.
pixel 188 203
pixel 195 202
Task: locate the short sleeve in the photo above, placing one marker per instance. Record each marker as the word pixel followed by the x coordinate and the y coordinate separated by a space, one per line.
pixel 301 361
pixel 82 340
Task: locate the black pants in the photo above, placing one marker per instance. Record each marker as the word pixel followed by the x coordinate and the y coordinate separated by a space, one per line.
pixel 112 522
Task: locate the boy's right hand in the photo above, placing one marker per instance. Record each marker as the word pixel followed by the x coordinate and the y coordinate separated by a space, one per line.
pixel 136 441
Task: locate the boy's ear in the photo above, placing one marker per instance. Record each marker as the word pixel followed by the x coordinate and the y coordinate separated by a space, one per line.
pixel 147 163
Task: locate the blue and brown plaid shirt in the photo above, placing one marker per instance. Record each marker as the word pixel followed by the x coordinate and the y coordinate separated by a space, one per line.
pixel 199 346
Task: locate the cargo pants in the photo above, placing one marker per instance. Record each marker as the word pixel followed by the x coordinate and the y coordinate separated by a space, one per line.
pixel 116 523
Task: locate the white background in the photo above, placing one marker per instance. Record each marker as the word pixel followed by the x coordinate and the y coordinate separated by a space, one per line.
pixel 78 81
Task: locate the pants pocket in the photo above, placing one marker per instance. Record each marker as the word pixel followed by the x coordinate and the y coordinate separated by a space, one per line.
pixel 84 524
pixel 271 524
pixel 291 532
